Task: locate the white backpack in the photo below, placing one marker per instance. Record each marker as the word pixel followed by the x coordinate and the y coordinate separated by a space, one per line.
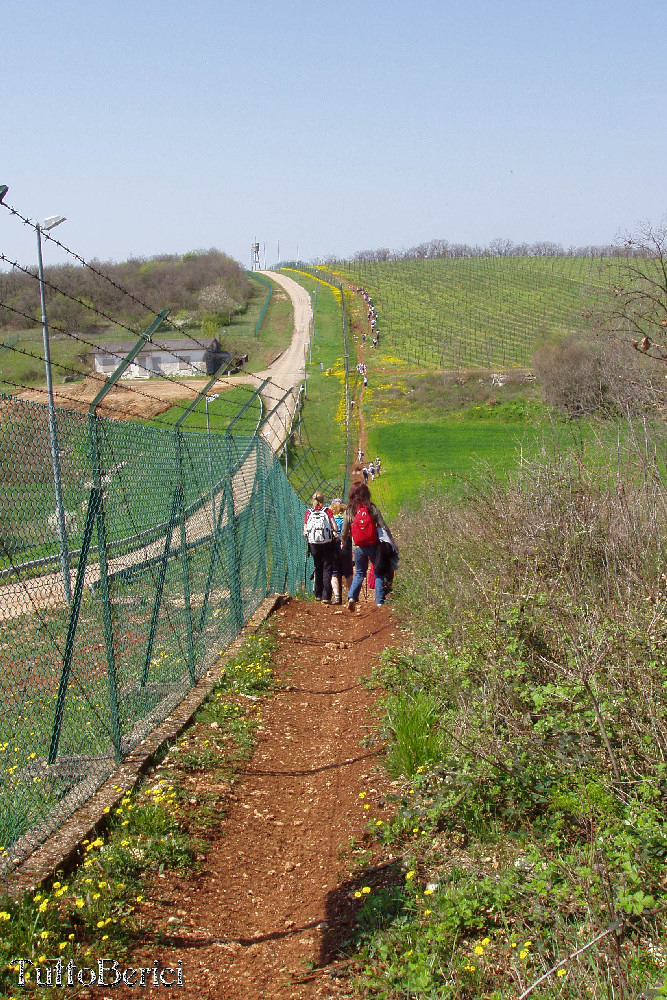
pixel 318 527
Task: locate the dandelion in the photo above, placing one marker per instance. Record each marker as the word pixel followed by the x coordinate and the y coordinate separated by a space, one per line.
pixel 100 923
pixel 378 822
pixel 523 953
pixel 428 892
pixel 470 968
pixel 4 915
pixel 63 945
pixel 366 889
pixel 105 937
pixel 79 902
pixel 357 895
pixel 43 905
pixel 561 972
pixel 479 950
pixel 427 913
pixel 409 875
pixel 44 935
pixel 486 941
pixel 362 795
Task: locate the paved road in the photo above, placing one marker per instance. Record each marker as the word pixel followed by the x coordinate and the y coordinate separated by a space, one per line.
pixel 286 373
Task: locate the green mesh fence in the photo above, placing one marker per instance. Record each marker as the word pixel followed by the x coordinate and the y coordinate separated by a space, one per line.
pixel 173 540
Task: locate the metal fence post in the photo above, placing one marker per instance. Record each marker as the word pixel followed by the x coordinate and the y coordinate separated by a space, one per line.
pixel 91 514
pixel 185 568
pixel 104 587
pixel 233 555
pixel 176 504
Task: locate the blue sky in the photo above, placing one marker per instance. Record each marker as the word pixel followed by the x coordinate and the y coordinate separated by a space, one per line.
pixel 164 127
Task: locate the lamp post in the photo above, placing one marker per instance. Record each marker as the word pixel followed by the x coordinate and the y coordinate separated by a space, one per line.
pixel 51 223
pixel 210 462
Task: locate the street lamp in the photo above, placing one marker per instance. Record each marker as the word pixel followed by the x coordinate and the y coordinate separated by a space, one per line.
pixel 210 463
pixel 51 223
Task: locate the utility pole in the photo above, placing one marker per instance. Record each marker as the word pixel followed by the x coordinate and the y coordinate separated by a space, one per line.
pixel 51 223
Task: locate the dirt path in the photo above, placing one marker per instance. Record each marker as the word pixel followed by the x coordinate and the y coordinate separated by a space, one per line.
pixel 276 898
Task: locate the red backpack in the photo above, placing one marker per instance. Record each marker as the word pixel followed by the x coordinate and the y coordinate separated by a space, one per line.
pixel 364 529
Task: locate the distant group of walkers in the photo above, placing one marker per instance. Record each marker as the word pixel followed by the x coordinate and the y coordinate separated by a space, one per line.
pixel 372 469
pixel 372 315
pixel 344 539
pixel 349 540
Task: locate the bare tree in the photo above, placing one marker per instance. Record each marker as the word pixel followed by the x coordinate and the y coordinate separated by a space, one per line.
pixel 638 307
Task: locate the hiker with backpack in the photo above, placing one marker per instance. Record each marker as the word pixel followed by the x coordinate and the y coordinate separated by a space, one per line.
pixel 319 529
pixel 372 541
pixel 343 567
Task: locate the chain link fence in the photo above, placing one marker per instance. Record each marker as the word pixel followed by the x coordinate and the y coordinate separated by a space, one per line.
pixel 166 544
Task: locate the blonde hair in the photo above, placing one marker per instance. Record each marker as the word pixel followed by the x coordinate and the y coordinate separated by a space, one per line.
pixel 337 508
pixel 318 497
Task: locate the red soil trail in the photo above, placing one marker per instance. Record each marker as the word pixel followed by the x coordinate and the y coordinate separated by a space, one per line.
pixel 268 915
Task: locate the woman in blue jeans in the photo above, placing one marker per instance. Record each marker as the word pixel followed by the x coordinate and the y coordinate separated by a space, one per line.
pixel 360 496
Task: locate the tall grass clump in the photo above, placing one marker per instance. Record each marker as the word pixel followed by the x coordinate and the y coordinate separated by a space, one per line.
pixel 540 825
pixel 416 741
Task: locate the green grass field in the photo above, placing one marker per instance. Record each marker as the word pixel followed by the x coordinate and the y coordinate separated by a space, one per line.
pixel 476 311
pixel 436 456
pixel 324 411
pixel 221 412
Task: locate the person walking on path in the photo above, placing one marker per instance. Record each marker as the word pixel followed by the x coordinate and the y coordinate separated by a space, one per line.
pixel 320 531
pixel 365 524
pixel 343 568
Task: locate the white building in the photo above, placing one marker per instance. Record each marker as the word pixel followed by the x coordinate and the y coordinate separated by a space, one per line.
pixel 164 357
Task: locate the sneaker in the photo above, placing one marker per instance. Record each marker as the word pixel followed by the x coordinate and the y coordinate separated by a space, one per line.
pixel 350 605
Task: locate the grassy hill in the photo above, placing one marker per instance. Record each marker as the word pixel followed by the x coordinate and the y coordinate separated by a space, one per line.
pixel 476 311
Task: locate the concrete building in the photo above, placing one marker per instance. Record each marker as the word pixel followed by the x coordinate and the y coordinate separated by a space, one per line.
pixel 181 356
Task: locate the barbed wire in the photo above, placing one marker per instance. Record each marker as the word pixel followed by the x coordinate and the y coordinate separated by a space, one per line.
pixel 79 402
pixel 120 357
pixel 111 319
pixel 46 234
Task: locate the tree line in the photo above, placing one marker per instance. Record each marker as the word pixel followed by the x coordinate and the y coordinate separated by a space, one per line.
pixel 201 288
pixel 434 249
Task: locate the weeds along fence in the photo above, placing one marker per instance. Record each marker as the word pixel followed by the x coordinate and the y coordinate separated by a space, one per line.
pixel 172 540
pixel 321 274
pixel 267 284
